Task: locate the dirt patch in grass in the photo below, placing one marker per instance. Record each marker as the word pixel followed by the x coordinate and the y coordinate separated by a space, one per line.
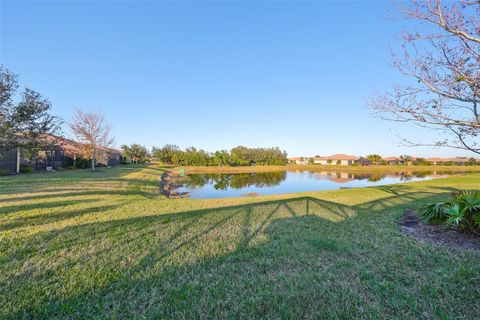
pixel 438 234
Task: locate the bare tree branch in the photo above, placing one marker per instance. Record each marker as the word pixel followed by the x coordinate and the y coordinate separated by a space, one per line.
pixel 444 65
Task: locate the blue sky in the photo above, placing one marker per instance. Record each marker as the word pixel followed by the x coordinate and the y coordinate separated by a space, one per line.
pixel 216 74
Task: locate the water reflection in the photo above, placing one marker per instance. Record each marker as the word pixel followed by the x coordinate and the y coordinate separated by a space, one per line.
pixel 222 181
pixel 213 185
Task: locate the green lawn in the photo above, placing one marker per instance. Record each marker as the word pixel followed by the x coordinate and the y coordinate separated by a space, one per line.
pixel 105 245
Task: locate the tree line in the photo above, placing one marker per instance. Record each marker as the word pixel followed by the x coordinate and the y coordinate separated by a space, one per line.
pixel 238 156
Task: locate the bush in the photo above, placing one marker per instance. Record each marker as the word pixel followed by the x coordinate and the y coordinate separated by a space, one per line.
pixel 26 169
pixel 3 172
pixel 82 164
pixel 463 211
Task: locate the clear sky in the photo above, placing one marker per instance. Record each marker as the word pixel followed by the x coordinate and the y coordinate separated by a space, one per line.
pixel 216 74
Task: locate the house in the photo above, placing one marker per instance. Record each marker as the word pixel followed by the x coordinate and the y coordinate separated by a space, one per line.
pixel 336 159
pixel 58 153
pixel 8 160
pixel 111 157
pixel 50 157
pixel 393 160
pixel 108 157
pixel 455 161
pixel 433 160
pixel 298 160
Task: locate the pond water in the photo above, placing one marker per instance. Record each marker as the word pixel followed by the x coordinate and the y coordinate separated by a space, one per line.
pixel 268 183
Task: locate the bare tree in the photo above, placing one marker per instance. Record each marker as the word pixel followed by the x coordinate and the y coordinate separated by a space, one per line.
pixel 91 130
pixel 441 56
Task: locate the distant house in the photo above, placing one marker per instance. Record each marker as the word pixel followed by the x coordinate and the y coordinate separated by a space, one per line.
pixel 393 160
pixel 336 159
pixel 433 160
pixel 440 161
pixel 298 160
pixel 111 157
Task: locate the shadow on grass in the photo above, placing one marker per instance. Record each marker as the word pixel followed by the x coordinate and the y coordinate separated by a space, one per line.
pixel 54 217
pixel 44 181
pixel 43 205
pixel 133 187
pixel 296 258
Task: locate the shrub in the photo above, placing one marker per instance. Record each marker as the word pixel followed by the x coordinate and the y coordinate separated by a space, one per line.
pixel 435 212
pixel 82 164
pixel 463 211
pixel 26 169
pixel 3 172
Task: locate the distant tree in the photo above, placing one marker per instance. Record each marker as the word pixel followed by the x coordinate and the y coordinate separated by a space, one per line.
pixel 405 159
pixel 27 122
pixel 420 162
pixel 92 130
pixel 374 158
pixel 471 162
pixel 135 152
pixel 221 158
pixel 167 154
pixel 241 156
pixel 442 58
pixel 238 156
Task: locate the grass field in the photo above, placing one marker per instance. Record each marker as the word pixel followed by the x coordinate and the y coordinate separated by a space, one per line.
pixel 104 245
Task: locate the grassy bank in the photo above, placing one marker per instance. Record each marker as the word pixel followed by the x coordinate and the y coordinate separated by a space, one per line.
pixel 339 168
pixel 104 245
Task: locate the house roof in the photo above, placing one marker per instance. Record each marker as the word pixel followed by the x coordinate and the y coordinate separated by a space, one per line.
pixel 447 159
pixel 338 156
pixel 73 147
pixel 392 159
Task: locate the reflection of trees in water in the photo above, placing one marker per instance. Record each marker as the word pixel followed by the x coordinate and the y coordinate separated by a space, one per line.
pixel 222 181
pixel 374 177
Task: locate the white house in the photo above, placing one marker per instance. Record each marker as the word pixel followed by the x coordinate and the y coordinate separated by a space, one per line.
pixel 298 160
pixel 336 159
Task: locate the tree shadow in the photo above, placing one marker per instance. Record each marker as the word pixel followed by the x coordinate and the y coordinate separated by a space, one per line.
pixel 297 258
pixel 5 210
pixel 47 181
pixel 46 218
pixel 396 189
pixel 130 187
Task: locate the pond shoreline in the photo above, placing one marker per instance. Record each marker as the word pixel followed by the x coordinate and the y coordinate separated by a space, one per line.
pixel 316 168
pixel 169 184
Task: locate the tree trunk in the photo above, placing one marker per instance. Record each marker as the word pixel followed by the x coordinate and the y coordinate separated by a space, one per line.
pixel 93 159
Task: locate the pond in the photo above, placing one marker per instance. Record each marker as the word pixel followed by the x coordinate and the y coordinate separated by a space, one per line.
pixel 222 185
